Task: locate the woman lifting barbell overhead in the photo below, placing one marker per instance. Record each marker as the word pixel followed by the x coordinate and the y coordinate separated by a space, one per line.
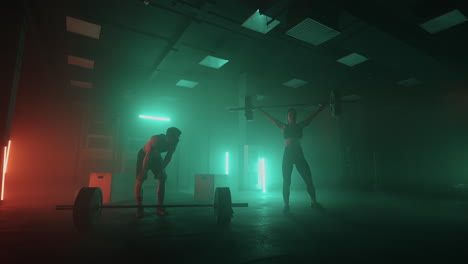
pixel 293 154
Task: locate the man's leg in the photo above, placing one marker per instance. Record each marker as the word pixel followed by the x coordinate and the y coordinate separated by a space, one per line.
pixel 161 176
pixel 139 197
pixel 287 167
pixel 161 191
pixel 140 178
pixel 304 170
pixel 139 191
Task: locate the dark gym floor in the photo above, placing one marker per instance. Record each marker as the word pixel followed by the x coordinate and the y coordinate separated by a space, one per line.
pixel 355 227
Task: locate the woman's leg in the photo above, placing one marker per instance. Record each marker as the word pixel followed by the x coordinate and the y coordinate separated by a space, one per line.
pixel 287 167
pixel 304 170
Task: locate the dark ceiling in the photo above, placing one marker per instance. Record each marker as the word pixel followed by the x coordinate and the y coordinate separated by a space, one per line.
pixel 145 48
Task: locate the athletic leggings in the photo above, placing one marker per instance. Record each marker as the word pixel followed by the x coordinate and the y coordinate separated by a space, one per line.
pixel 295 156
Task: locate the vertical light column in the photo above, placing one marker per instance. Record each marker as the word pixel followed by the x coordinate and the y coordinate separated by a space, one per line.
pixel 3 171
pixel 6 154
pixel 245 173
pixel 262 174
pixel 227 163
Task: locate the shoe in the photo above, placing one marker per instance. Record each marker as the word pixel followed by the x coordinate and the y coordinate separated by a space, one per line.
pixel 161 212
pixel 140 212
pixel 316 205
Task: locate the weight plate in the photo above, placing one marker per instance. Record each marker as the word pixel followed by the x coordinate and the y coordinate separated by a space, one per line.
pixel 223 205
pixel 87 208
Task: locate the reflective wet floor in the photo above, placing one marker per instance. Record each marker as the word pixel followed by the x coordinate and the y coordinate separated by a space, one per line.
pixel 354 227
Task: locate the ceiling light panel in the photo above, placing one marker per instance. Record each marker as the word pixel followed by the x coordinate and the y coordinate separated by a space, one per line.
pixel 81 62
pixel 186 83
pixel 213 62
pixel 352 59
pixel 82 27
pixel 295 83
pixel 312 32
pixel 260 23
pixel 444 22
pixel 81 84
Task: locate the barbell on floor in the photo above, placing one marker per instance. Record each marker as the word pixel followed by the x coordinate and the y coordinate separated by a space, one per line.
pixel 88 205
pixel 335 102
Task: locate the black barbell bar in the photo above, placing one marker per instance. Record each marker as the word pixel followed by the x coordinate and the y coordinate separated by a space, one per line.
pixel 70 207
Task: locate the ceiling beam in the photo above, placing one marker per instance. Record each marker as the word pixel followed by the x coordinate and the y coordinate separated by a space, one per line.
pixel 171 47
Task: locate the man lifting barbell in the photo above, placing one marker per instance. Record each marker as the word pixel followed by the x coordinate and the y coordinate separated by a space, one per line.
pixel 149 158
pixel 293 153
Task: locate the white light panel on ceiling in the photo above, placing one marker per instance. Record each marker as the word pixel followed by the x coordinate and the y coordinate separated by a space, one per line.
pixel 295 83
pixel 444 22
pixel 260 23
pixel 312 32
pixel 81 62
pixel 352 59
pixel 83 28
pixel 81 84
pixel 186 83
pixel 213 62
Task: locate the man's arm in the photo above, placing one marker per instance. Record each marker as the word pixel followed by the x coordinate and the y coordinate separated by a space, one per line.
pixel 274 120
pixel 148 150
pixel 309 119
pixel 168 158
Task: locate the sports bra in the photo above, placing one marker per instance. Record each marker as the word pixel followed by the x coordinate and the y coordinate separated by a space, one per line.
pixel 292 131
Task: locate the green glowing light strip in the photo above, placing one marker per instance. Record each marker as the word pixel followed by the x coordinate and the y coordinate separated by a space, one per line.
pixel 154 118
